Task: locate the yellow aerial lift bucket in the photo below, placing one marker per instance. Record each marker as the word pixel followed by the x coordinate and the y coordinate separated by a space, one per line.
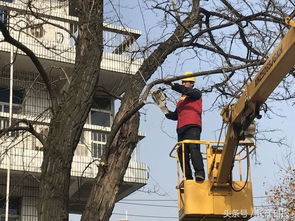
pixel 208 201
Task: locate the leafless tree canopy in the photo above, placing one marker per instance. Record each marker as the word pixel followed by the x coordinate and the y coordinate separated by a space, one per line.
pixel 228 40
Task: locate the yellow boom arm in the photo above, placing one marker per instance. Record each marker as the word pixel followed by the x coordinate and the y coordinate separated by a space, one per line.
pixel 246 109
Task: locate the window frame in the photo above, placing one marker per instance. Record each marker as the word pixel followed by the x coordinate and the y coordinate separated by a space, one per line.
pixel 102 142
pixel 100 111
pixel 16 108
pixel 107 111
pixel 17 101
pixel 37 30
pixel 15 217
pixel 4 13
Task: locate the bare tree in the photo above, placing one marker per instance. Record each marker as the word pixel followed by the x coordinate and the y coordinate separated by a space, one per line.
pixel 281 196
pixel 231 37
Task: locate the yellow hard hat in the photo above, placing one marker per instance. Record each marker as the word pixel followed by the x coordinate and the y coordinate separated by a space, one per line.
pixel 193 79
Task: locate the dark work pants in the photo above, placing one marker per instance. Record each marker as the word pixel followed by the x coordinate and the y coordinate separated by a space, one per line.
pixel 191 151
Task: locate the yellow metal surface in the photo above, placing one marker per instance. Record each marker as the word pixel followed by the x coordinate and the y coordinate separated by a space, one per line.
pixel 206 201
pixel 290 19
pixel 197 202
pixel 290 22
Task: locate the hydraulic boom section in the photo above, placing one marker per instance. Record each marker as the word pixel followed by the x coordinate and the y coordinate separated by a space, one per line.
pixel 246 109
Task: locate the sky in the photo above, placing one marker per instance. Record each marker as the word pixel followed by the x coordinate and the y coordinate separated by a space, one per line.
pixel 155 149
pixel 158 199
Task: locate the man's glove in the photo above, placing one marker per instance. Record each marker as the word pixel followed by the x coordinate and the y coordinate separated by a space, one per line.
pixel 159 98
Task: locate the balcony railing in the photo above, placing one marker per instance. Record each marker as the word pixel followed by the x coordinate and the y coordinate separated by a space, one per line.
pixel 52 43
pixel 26 155
pixel 26 160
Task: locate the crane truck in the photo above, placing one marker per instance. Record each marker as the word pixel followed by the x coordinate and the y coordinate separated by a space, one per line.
pixel 220 197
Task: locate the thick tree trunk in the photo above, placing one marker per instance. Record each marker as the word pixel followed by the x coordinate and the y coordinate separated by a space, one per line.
pixel 56 166
pixel 59 153
pixel 70 115
pixel 110 176
pixel 102 198
pixel 65 130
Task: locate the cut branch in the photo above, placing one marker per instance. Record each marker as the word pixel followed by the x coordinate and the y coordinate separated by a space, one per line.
pixel 143 100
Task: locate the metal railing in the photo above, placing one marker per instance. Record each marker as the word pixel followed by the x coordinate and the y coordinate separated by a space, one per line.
pixel 213 151
pixel 27 154
pixel 56 44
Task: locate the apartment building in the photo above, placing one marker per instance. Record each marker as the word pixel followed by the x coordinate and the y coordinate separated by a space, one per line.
pixel 23 96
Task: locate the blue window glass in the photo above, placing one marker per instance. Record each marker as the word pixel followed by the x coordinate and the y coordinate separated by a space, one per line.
pixel 14 208
pixel 3 15
pixel 17 97
pixel 4 12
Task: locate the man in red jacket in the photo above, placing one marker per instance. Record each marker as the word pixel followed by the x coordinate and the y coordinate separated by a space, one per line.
pixel 188 114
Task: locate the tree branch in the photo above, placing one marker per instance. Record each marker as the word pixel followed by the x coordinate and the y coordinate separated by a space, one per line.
pixel 143 100
pixel 8 38
pixel 29 128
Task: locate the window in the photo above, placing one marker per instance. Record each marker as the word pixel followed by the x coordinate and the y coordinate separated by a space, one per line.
pixel 98 141
pixel 102 104
pixel 74 32
pixel 4 13
pixel 73 26
pixel 100 118
pixel 38 31
pixel 59 37
pixel 100 113
pixel 4 16
pixel 73 8
pixel 74 29
pixel 14 208
pixel 17 100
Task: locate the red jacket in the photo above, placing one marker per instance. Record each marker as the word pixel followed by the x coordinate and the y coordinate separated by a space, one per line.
pixel 189 111
pixel 189 107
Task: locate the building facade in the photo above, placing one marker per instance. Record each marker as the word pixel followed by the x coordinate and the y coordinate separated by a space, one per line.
pixel 23 96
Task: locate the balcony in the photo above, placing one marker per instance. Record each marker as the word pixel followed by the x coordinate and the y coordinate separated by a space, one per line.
pixel 55 47
pixel 26 157
pixel 30 159
pixel 64 55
